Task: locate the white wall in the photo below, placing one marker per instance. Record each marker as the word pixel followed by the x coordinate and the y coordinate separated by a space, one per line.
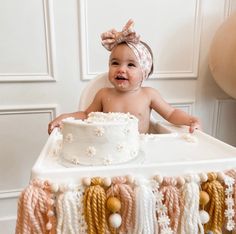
pixel 50 49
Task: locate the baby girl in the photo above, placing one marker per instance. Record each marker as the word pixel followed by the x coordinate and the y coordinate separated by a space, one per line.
pixel 130 63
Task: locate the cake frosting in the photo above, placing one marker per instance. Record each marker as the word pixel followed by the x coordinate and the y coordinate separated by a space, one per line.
pixel 101 139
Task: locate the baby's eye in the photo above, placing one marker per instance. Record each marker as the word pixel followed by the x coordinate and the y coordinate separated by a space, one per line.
pixel 114 63
pixel 131 65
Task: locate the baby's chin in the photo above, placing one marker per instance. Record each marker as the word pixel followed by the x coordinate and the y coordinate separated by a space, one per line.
pixel 126 88
pixel 122 86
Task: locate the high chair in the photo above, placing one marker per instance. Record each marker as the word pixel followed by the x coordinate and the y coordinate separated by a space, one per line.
pixel 176 154
pixel 89 92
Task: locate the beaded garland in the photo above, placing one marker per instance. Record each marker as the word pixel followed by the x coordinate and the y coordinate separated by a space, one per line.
pixel 72 208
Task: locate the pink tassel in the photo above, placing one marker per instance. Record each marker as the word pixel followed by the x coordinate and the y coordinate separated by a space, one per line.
pixel 172 201
pixel 125 194
pixel 36 210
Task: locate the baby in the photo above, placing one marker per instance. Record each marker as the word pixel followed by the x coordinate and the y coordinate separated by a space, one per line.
pixel 130 62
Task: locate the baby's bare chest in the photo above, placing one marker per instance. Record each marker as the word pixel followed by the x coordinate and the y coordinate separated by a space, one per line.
pixel 135 105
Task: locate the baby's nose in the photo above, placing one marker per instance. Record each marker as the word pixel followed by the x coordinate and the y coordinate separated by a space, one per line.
pixel 121 68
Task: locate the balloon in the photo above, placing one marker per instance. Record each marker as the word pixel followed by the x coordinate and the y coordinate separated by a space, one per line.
pixel 222 56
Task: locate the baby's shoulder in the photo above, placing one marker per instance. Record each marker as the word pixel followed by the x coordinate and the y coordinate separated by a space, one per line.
pixel 149 90
pixel 105 90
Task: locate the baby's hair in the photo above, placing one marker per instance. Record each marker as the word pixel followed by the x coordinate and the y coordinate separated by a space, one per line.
pixel 150 51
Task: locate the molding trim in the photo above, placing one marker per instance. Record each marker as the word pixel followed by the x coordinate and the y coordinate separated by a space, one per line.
pixel 13 110
pixel 11 193
pixel 216 115
pixel 50 53
pixel 227 8
pixel 192 73
pixel 84 61
pixel 8 218
pixel 186 105
pixel 17 110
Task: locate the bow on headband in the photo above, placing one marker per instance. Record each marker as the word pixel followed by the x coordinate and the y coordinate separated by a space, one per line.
pixel 112 38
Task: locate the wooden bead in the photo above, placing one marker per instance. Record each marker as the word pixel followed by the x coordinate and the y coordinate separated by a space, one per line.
pixel 54 187
pixel 48 226
pixel 204 216
pixel 158 178
pixel 113 204
pixel 203 177
pixel 203 198
pixel 50 213
pixel 180 181
pixel 107 181
pixel 86 181
pixel 115 220
pixel 130 179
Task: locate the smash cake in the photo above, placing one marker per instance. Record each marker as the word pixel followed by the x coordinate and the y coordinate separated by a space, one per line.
pixel 101 139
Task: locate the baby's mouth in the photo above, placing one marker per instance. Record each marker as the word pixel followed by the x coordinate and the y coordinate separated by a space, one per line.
pixel 121 78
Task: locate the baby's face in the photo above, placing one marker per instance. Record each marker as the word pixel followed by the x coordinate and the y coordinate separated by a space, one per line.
pixel 124 70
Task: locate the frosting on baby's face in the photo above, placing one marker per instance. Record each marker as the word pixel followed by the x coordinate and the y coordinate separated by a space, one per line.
pixel 125 72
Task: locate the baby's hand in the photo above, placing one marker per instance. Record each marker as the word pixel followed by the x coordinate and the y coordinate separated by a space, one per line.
pixel 195 124
pixel 55 123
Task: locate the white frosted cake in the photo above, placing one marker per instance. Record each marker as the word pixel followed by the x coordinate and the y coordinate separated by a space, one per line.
pixel 101 139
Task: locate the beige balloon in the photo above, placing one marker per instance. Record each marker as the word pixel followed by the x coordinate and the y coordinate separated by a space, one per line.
pixel 222 56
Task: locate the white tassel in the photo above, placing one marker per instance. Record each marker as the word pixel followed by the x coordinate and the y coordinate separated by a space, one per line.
pixel 229 202
pixel 145 220
pixel 190 220
pixel 70 216
pixel 59 209
pixel 160 208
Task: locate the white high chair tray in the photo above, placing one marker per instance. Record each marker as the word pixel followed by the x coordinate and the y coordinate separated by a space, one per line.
pixel 172 153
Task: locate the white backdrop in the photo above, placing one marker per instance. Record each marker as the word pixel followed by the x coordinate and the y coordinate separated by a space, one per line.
pixel 50 49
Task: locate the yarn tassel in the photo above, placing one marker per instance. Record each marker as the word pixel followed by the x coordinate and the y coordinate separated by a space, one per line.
pixel 35 212
pixel 123 191
pixel 230 193
pixel 95 207
pixel 145 218
pixel 172 201
pixel 190 219
pixel 69 212
pixel 216 205
pixel 163 220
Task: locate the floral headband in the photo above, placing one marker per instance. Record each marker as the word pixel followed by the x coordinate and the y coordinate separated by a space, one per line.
pixel 112 38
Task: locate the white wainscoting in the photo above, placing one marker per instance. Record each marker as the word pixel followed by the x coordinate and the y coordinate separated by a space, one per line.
pixel 23 134
pixel 50 40
pixel 7 225
pixel 24 129
pixel 28 50
pixel 224 123
pixel 186 106
pixel 178 32
pixel 8 215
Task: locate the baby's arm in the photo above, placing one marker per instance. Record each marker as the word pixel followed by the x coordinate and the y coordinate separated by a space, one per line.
pixel 96 105
pixel 172 115
pixel 57 122
pixel 180 117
